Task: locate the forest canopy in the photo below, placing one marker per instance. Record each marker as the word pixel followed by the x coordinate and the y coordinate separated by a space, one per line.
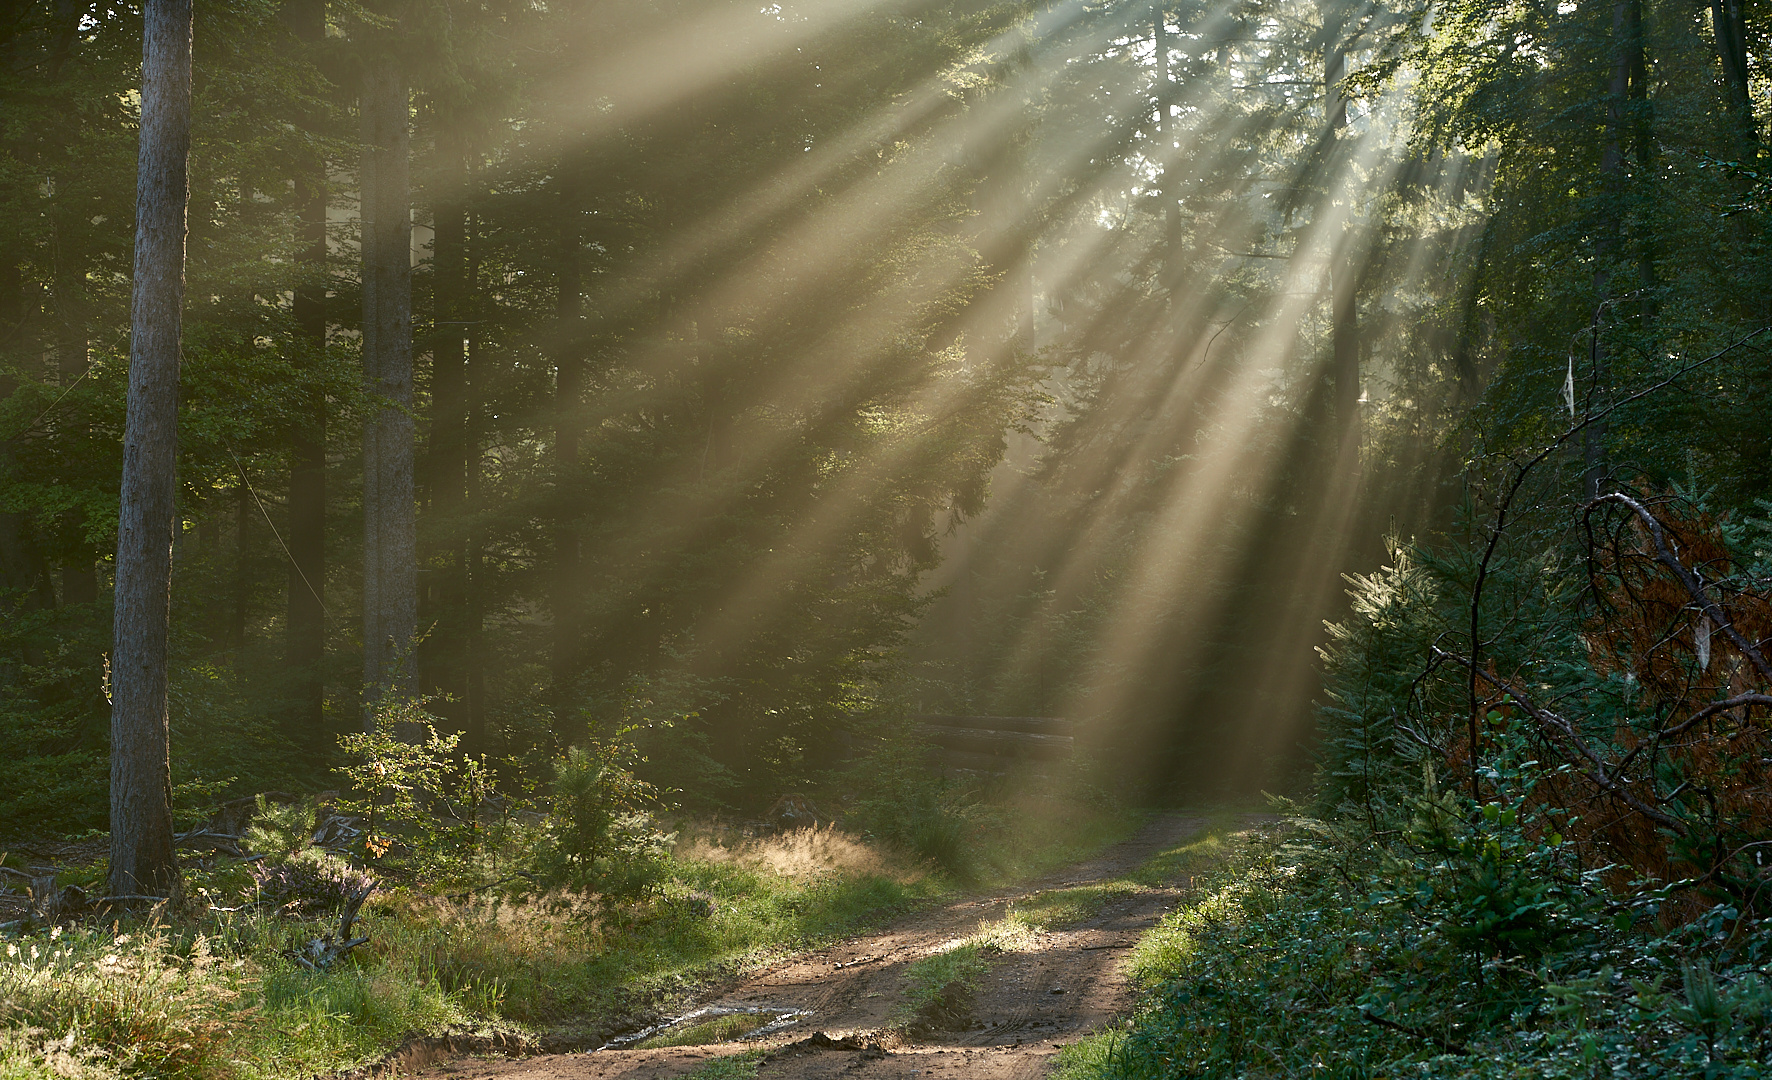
pixel 452 451
pixel 762 378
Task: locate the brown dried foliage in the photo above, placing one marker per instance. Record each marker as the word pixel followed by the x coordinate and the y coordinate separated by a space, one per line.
pixel 1679 752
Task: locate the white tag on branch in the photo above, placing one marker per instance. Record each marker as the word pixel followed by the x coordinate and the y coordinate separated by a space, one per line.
pixel 1569 387
pixel 1701 638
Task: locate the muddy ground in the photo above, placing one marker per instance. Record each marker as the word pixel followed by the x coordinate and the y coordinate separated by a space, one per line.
pixel 1064 984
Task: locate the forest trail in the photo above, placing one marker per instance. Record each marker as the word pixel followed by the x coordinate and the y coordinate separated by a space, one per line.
pixel 1033 999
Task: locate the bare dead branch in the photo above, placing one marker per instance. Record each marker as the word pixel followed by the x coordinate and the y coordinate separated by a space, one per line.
pixel 1598 768
pixel 1506 504
pixel 1715 707
pixel 1693 584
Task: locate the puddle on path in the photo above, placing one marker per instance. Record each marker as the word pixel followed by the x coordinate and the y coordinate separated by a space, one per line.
pixel 711 1024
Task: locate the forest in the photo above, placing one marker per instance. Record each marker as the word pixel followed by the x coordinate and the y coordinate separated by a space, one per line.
pixel 523 520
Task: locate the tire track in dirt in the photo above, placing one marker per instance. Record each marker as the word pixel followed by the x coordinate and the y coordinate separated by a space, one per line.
pixel 1064 984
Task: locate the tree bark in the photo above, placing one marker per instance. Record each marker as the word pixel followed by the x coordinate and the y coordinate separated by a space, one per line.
pixel 390 581
pixel 242 599
pixel 1729 26
pixel 141 776
pixel 305 616
pixel 473 379
pixel 446 465
pixel 1627 67
pixel 568 392
pixel 1344 274
pixel 1165 91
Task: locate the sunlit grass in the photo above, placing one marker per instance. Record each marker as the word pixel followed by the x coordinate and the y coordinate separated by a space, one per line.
pixel 1166 948
pixel 218 998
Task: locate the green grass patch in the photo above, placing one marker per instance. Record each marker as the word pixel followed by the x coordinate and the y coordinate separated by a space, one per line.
pixel 937 986
pixel 733 1067
pixel 717 1030
pixel 1089 1058
pixel 215 996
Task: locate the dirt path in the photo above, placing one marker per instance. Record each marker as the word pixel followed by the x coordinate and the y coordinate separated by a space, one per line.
pixel 1064 984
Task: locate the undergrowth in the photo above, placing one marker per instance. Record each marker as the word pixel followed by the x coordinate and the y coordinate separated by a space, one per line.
pixel 1318 951
pixel 219 996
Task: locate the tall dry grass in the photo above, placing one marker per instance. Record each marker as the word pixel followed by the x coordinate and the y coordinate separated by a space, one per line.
pixel 800 855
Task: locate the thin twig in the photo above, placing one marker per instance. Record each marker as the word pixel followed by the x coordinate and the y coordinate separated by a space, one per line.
pixel 278 535
pixel 1445 1044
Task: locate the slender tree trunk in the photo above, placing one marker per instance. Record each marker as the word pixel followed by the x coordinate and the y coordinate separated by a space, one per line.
pixel 304 590
pixel 72 343
pixel 66 15
pixel 1627 61
pixel 1729 25
pixel 1165 92
pixel 446 463
pixel 390 580
pixel 79 583
pixel 568 394
pixel 473 378
pixel 141 775
pixel 1344 364
pixel 242 565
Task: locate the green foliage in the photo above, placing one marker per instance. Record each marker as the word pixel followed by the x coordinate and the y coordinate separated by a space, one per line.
pixel 599 838
pixel 400 771
pixel 1306 954
pixel 904 803
pixel 732 1067
pixel 281 830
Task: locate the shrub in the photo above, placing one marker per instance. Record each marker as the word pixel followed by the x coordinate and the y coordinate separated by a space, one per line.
pixel 400 770
pixel 311 884
pixel 599 838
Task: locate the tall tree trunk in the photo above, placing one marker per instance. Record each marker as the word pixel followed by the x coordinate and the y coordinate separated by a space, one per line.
pixel 305 616
pixel 568 394
pixel 1729 26
pixel 1344 363
pixel 446 464
pixel 72 343
pixel 1165 92
pixel 141 775
pixel 473 380
pixel 390 580
pixel 242 565
pixel 1627 66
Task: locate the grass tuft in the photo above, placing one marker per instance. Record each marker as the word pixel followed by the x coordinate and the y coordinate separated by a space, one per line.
pixel 734 1067
pixel 717 1030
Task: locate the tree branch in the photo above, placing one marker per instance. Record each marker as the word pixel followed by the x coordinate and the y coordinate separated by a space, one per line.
pixel 1693 584
pixel 1555 724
